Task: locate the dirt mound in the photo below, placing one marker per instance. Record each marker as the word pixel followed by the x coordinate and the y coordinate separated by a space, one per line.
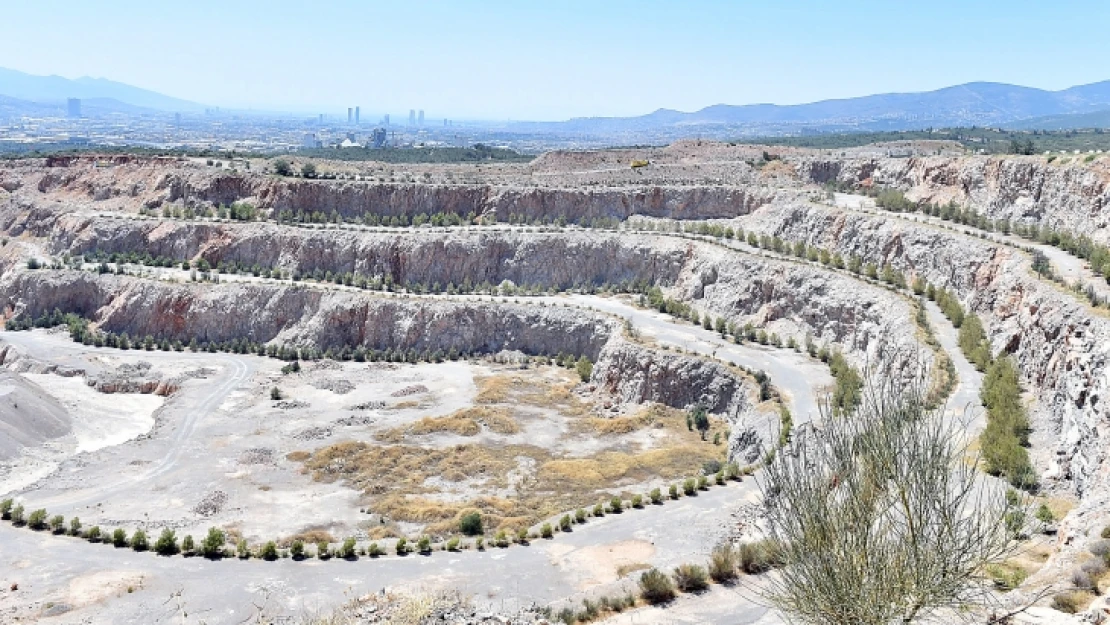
pixel 28 415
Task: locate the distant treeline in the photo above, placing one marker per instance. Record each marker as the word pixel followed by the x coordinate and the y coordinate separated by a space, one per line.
pixel 476 153
pixel 992 140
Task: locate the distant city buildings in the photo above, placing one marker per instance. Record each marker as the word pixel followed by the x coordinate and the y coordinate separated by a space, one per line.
pixel 378 137
pixel 73 108
pixel 356 115
pixel 385 120
pixel 350 115
pixel 412 117
pixel 420 118
pixel 310 141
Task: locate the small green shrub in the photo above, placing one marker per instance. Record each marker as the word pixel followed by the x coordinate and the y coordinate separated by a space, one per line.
pixel 1006 577
pixel 57 524
pixel 580 515
pixel 93 535
pixel 188 545
pixel 564 523
pixel 213 545
pixel 722 563
pixel 139 541
pixel 297 549
pixel 323 551
pixel 269 551
pixel 424 545
pixel 615 505
pixel 673 491
pixel 402 546
pixel 374 551
pixel 242 549
pixel 347 550
pixel 599 510
pixel 1045 515
pixel 546 531
pixel 6 509
pixel 691 578
pixel 166 545
pixel 75 526
pixel 637 501
pixel 522 536
pixel 656 587
pixel 703 483
pixel 16 516
pixel 1070 602
pixel 690 487
pixel 759 556
pixel 452 544
pixel 37 520
pixel 501 539
pixel 655 496
pixel 470 523
pixel 119 538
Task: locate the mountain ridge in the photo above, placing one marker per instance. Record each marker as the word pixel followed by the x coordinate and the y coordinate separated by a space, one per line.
pixel 56 89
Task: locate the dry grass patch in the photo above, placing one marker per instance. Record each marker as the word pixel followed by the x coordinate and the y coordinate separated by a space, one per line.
pixel 613 468
pixel 396 478
pixel 513 485
pixel 298 456
pixel 379 470
pixel 625 569
pixel 465 422
pixel 547 387
pixel 310 536
pixel 495 389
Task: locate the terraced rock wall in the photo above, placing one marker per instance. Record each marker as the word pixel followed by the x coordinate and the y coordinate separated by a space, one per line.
pixel 1061 345
pixel 1072 196
pixel 154 182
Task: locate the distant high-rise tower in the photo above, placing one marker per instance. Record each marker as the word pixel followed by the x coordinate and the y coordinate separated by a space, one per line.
pixel 350 115
pixel 385 120
pixel 420 117
pixel 177 119
pixel 412 117
pixel 321 118
pixel 73 108
pixel 356 115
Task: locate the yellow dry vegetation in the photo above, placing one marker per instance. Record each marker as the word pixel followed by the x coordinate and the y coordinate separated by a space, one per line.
pixel 512 485
pixel 611 468
pixel 465 422
pixel 308 537
pixel 494 389
pixel 541 388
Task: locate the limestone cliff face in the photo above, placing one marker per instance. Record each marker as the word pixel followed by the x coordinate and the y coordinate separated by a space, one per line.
pixel 132 182
pixel 303 316
pixel 1072 196
pixel 794 299
pixel 635 374
pixel 558 260
pixel 1062 347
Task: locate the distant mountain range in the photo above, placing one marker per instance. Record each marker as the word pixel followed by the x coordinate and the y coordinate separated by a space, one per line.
pixel 31 93
pixel 971 104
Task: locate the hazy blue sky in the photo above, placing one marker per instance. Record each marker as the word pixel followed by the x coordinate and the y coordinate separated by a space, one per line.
pixel 500 59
